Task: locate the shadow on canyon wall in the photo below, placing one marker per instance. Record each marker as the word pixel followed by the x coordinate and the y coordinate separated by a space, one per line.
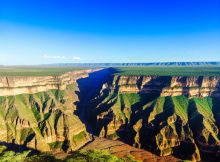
pixel 95 100
pixel 18 148
pixel 89 88
pixel 92 104
pixel 90 97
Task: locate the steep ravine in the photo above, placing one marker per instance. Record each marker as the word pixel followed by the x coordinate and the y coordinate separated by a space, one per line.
pixel 166 115
pixel 45 113
pixel 38 112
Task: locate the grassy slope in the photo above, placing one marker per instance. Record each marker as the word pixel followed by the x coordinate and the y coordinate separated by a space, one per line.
pixel 168 106
pixel 36 110
pixel 204 108
pixel 126 101
pixel 181 107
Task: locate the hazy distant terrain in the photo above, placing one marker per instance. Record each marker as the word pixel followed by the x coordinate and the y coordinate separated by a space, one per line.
pixel 209 63
pixel 36 70
pixel 170 70
pixel 159 69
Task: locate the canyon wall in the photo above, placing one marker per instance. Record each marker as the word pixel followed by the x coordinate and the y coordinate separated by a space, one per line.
pixel 164 114
pixel 39 112
pixel 167 115
pixel 201 86
pixel 15 85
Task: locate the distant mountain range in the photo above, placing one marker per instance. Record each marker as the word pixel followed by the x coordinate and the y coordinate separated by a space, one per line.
pixel 211 63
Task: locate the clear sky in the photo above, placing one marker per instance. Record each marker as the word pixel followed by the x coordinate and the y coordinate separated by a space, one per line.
pixel 58 31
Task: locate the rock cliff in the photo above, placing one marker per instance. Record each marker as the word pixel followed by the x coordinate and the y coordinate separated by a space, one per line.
pixel 38 112
pixel 15 85
pixel 166 115
pixel 202 86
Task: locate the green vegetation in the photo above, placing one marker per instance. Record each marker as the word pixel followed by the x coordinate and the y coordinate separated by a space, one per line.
pixel 181 107
pixel 36 70
pixel 78 156
pixel 167 119
pixel 124 103
pixel 130 99
pixel 170 71
pixel 27 118
pixel 96 155
pixel 6 156
pixel 149 70
pixel 56 145
pixel 80 136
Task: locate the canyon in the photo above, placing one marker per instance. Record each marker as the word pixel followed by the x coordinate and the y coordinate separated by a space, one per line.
pixel 15 85
pixel 163 117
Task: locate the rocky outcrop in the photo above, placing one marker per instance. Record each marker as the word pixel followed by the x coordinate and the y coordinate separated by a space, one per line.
pixel 39 112
pixel 192 86
pixel 15 85
pixel 43 121
pixel 166 115
pixel 162 114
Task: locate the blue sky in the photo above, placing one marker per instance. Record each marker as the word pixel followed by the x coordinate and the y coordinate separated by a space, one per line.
pixel 41 32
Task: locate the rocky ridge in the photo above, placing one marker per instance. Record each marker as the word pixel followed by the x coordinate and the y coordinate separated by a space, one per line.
pixel 15 85
pixel 166 115
pixel 192 86
pixel 38 112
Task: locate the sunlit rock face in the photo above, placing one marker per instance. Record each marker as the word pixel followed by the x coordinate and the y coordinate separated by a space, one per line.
pixel 16 85
pixel 39 112
pixel 165 114
pixel 170 86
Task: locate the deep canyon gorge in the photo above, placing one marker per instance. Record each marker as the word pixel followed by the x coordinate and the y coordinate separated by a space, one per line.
pixel 177 116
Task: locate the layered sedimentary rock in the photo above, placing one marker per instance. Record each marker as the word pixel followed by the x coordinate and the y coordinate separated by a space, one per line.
pixel 200 86
pixel 166 115
pixel 15 85
pixel 39 112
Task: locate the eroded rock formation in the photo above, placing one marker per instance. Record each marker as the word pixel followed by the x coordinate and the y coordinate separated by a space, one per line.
pixel 15 85
pixel 38 112
pixel 191 86
pixel 166 115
